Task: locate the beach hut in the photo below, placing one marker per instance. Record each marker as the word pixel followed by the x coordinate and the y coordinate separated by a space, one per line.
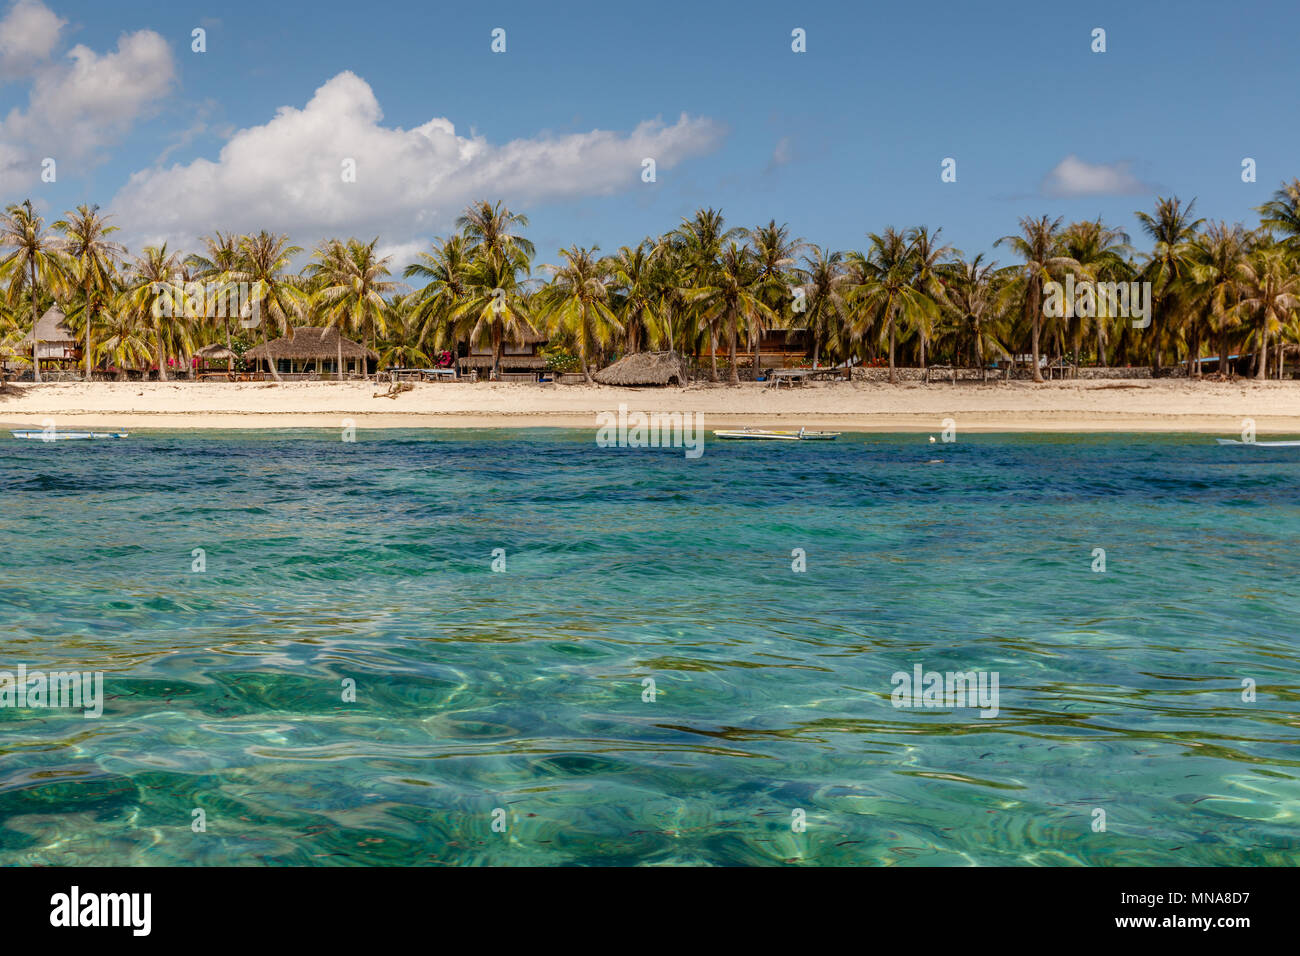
pixel 644 368
pixel 214 353
pixel 519 359
pixel 313 352
pixel 52 342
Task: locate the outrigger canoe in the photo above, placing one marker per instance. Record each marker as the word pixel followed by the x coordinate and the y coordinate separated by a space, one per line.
pixel 37 434
pixel 760 434
pixel 1261 444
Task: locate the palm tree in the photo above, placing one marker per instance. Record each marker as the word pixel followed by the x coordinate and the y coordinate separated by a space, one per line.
pixel 350 289
pixel 1270 292
pixel 634 274
pixel 1282 212
pixel 92 257
pixel 491 230
pixel 155 296
pixel 735 295
pixel 275 295
pixel 446 272
pixel 1213 284
pixel 699 241
pixel 216 270
pixel 885 285
pixel 495 303
pixel 824 283
pixel 774 252
pixel 1101 254
pixel 34 260
pixel 927 278
pixel 577 301
pixel 1173 230
pixel 1037 244
pixel 972 298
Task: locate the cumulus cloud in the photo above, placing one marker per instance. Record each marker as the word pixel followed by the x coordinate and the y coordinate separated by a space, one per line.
pixel 288 174
pixel 28 35
pixel 1073 176
pixel 79 104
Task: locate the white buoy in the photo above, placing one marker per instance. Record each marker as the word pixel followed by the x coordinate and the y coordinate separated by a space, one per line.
pixel 931 439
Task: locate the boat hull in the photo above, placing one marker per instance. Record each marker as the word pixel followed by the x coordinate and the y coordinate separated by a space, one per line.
pixel 40 435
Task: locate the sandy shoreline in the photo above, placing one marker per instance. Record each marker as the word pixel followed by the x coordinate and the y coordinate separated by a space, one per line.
pixel 1093 406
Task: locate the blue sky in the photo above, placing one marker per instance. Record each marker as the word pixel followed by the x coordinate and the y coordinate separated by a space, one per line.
pixel 845 138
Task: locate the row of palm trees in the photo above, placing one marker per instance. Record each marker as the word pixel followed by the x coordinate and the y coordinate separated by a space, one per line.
pixel 907 298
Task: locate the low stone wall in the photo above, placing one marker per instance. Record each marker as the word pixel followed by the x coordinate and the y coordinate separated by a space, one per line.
pixel 969 376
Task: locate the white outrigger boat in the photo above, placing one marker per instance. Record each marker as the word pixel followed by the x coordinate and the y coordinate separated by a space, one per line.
pixel 762 434
pixel 40 434
pixel 1261 444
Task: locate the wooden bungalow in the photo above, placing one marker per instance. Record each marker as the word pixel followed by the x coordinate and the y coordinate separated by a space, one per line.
pixel 312 352
pixel 519 361
pixel 54 344
pixel 777 348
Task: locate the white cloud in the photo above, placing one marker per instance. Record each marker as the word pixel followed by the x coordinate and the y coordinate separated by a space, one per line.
pixel 1073 176
pixel 782 154
pixel 28 34
pixel 285 175
pixel 80 104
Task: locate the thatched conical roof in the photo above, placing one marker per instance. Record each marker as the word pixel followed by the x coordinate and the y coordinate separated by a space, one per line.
pixel 309 342
pixel 644 368
pixel 216 352
pixel 50 327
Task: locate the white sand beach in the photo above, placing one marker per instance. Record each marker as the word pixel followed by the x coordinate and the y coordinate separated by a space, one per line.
pixel 1145 405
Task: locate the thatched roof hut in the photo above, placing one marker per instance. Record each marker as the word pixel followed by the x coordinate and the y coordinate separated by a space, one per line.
pixel 308 344
pixel 216 352
pixel 50 330
pixel 644 368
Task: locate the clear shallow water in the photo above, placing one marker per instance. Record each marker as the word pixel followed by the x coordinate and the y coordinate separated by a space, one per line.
pixel 523 690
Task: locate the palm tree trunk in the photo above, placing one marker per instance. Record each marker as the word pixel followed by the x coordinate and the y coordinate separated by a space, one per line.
pixel 89 316
pixel 338 369
pixel 713 355
pixel 734 377
pixel 162 358
pixel 36 346
pixel 1035 324
pixel 498 335
pixel 1261 360
pixel 892 378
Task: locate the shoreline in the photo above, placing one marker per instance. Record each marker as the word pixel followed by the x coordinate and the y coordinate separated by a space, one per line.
pixel 1163 405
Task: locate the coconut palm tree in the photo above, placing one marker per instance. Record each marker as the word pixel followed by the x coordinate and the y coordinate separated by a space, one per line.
pixel 1101 253
pixel 886 290
pixel 156 298
pixel 275 295
pixel 735 295
pixel 350 289
pixel 1270 293
pixel 577 301
pixel 1282 213
pixel 216 270
pixel 1212 287
pixel 1174 231
pixel 490 230
pixel 1038 245
pixel 33 261
pixel 927 278
pixel 774 253
pixel 972 300
pixel 825 285
pixel 496 303
pixel 634 276
pixel 446 275
pixel 700 240
pixel 91 256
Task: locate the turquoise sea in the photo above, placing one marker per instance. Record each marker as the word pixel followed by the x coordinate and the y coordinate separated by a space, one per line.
pixel 522 690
